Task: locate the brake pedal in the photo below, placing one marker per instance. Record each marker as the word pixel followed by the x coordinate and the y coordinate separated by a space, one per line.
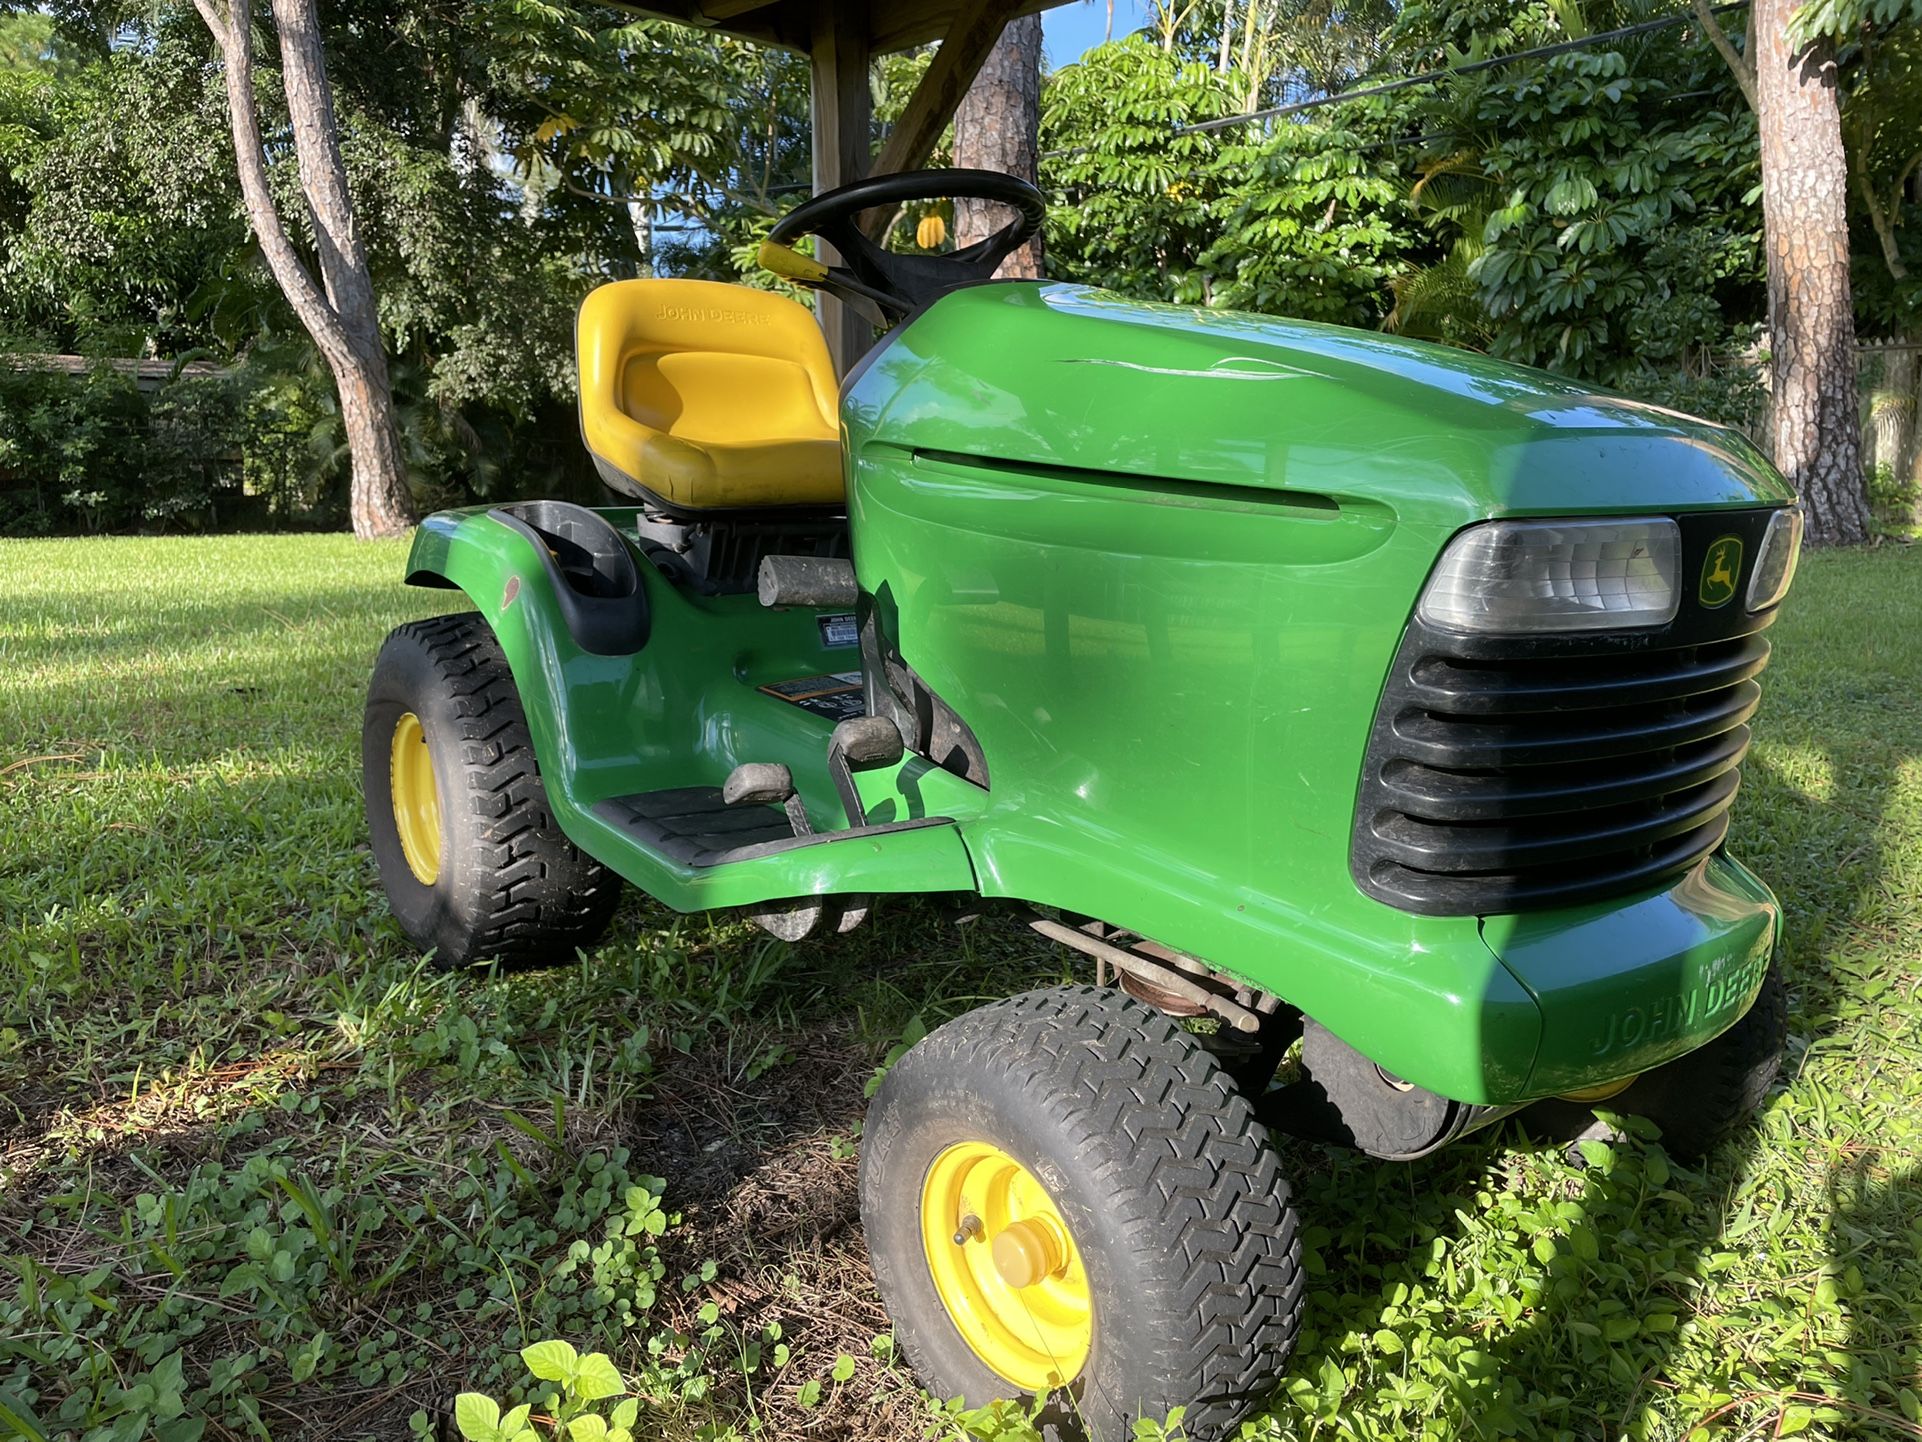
pixel 767 783
pixel 861 743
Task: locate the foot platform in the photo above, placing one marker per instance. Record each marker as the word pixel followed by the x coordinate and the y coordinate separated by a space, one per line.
pixel 695 826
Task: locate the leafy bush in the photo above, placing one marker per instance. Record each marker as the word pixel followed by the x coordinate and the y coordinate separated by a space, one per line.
pixel 1893 499
pixel 1323 226
pixel 1134 202
pixel 96 452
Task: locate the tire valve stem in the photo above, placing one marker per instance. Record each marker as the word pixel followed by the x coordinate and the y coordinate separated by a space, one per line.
pixel 969 1229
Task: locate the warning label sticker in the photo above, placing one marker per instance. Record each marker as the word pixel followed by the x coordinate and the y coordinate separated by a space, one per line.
pixel 836 696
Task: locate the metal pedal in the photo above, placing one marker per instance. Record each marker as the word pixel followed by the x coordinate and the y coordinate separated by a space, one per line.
pixel 819 582
pixel 767 783
pixel 861 743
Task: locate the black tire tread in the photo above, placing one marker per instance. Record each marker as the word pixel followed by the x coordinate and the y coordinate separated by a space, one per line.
pixel 538 892
pixel 1161 1122
pixel 1709 1095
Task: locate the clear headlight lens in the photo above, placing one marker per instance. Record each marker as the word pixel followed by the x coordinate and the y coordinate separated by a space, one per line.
pixel 1775 562
pixel 1522 577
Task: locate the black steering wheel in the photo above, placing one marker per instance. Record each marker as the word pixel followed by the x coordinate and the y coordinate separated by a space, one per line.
pixel 893 282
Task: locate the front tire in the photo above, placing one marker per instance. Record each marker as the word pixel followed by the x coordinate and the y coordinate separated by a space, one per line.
pixel 1127 1241
pixel 470 856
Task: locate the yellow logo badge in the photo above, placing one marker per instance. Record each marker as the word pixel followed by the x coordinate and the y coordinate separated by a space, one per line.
pixel 1720 568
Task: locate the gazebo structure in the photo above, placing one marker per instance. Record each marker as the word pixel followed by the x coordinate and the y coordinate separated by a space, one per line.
pixel 842 39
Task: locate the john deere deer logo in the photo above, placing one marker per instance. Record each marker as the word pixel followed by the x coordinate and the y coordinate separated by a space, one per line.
pixel 1719 569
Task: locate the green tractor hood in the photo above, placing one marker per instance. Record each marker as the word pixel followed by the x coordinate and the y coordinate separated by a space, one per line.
pixel 1159 560
pixel 1064 376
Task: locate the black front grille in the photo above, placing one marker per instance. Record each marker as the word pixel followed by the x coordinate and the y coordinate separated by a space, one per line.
pixel 1506 774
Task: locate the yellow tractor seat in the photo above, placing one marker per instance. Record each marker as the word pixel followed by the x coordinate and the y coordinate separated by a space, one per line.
pixel 706 396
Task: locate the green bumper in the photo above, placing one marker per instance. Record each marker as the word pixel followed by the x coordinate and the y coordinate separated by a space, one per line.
pixel 1625 988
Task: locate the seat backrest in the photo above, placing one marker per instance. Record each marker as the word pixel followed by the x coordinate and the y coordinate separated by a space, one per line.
pixel 705 362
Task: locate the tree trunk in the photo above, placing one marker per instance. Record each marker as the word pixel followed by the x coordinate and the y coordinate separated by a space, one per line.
pixel 997 127
pixel 367 417
pixel 1815 422
pixel 339 311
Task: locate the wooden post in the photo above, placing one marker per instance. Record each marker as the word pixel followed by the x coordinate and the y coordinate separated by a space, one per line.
pixel 843 108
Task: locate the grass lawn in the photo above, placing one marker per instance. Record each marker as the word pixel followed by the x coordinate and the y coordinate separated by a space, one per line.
pixel 263 1174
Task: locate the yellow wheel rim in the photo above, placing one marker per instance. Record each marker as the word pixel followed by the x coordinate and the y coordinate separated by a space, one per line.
pixel 1013 1285
pixel 1603 1092
pixel 416 800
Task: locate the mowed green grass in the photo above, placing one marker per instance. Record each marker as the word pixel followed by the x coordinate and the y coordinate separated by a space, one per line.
pixel 262 1174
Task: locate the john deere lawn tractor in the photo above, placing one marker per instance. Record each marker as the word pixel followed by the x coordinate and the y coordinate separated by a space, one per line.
pixel 1366 714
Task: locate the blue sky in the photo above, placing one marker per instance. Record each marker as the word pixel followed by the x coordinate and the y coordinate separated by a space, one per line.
pixel 1070 29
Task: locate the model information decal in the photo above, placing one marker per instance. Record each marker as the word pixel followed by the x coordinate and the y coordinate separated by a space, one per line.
pixel 838 630
pixel 836 697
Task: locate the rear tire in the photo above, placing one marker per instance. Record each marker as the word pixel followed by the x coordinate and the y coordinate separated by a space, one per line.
pixel 503 882
pixel 1157 1170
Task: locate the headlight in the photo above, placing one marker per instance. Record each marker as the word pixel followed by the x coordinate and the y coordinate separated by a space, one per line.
pixel 1775 562
pixel 1523 577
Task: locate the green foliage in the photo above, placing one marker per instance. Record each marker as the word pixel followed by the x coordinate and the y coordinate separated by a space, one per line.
pixel 280 1252
pixel 1606 226
pixel 568 1406
pixel 1893 499
pixel 1134 203
pixel 1321 225
pixel 121 199
pixel 1880 64
pixel 1303 220
pixel 95 452
pixel 1008 1421
pixel 28 42
pixel 1024 1421
pixel 1845 19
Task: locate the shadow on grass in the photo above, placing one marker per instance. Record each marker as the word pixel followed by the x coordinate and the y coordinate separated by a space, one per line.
pixel 1875 1220
pixel 1617 1303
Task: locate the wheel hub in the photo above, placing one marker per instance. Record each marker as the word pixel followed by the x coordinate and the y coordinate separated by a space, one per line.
pixel 1005 1266
pixel 1026 1252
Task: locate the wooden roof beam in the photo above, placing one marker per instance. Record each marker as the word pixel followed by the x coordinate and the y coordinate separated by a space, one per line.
pixel 963 50
pixel 723 10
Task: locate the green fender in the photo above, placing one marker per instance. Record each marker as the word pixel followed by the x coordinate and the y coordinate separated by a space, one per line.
pixel 604 726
